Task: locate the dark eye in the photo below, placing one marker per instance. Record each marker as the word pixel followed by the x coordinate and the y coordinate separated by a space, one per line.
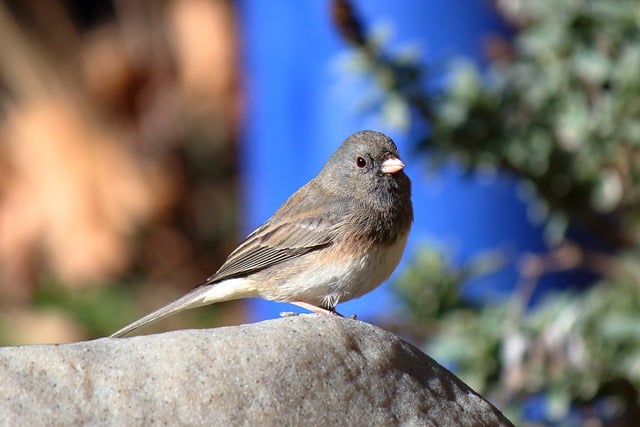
pixel 361 162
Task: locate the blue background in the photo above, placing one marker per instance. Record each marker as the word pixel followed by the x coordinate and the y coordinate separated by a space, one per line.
pixel 299 110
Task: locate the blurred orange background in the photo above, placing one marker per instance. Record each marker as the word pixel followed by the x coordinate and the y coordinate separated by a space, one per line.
pixel 118 126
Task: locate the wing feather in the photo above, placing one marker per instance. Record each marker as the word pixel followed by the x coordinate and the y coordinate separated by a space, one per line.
pixel 270 245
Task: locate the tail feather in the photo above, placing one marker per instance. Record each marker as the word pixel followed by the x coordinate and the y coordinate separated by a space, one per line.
pixel 200 296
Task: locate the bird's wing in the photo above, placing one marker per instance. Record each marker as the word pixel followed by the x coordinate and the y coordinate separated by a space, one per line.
pixel 277 241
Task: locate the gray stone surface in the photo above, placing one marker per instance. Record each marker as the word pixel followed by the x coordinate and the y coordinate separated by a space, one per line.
pixel 305 370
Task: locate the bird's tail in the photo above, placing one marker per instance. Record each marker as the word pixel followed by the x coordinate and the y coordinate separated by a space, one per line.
pixel 203 295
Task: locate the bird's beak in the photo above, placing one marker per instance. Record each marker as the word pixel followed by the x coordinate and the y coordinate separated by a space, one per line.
pixel 392 165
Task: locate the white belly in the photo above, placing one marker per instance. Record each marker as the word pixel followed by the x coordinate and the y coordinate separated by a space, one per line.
pixel 342 281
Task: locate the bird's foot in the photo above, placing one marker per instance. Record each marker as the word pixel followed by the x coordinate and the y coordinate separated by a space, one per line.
pixel 320 310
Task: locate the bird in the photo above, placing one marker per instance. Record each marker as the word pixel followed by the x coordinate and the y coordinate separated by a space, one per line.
pixel 336 238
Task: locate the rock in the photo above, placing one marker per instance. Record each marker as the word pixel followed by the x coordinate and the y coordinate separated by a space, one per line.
pixel 304 370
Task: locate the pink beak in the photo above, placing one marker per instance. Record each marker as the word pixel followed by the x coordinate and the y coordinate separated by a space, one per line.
pixel 392 165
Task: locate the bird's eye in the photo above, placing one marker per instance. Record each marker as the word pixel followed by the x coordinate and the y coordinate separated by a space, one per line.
pixel 361 162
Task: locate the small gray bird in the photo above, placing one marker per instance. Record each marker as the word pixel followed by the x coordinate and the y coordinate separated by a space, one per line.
pixel 336 238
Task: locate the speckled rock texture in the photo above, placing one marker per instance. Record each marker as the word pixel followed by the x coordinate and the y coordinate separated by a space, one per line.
pixel 304 370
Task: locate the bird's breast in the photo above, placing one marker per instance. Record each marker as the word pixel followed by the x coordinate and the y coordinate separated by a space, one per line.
pixel 376 265
pixel 359 273
pixel 332 274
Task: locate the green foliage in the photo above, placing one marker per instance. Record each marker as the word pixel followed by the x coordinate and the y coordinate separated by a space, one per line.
pixel 101 310
pixel 574 346
pixel 93 307
pixel 560 112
